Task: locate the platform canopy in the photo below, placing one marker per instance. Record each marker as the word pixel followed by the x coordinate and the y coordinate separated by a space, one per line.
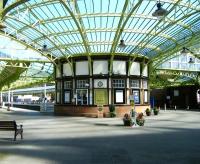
pixel 67 28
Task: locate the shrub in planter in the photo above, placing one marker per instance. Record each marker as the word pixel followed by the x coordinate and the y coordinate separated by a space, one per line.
pixel 112 114
pixel 112 110
pixel 127 120
pixel 155 111
pixel 148 112
pixel 140 119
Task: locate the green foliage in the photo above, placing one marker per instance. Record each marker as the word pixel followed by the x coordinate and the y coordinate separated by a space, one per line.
pixel 112 114
pixel 148 112
pixel 140 119
pixel 112 110
pixel 127 120
pixel 9 76
pixel 155 111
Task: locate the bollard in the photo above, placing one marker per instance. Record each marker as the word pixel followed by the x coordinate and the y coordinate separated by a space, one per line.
pixel 188 107
pixel 165 107
pixel 175 107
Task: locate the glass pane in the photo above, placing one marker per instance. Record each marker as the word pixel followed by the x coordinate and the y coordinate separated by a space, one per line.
pixel 145 84
pixel 67 85
pixel 81 97
pixel 136 96
pixel 119 83
pixel 67 97
pixel 135 83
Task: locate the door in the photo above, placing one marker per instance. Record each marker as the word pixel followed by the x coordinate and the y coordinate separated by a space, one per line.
pixel 82 97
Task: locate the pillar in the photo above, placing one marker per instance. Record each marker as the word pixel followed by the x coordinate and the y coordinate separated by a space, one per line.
pixel 11 103
pixel 127 92
pixel 90 92
pixel 45 96
pixel 110 91
pixel 1 99
pixel 8 100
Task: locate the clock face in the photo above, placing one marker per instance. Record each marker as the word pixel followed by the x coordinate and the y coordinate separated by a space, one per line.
pixel 100 84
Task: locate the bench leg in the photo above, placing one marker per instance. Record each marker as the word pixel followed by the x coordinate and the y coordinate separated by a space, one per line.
pixel 21 135
pixel 15 136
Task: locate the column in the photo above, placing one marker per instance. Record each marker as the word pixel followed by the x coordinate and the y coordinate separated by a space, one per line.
pixel 127 92
pixel 45 96
pixel 11 103
pixel 90 92
pixel 74 91
pixel 1 101
pixel 110 91
pixel 8 100
pixel 141 92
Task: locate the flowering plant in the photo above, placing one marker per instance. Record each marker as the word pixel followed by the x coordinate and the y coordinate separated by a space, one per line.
pixel 140 119
pixel 127 120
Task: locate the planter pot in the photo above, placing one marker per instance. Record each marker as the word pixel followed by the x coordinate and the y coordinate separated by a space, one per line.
pixel 148 113
pixel 112 114
pixel 155 112
pixel 140 122
pixel 127 122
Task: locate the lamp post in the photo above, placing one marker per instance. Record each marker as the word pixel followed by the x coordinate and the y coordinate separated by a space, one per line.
pixel 133 113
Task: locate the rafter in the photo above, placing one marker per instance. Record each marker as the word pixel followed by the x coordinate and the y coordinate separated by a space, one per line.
pixel 9 17
pixel 109 30
pixel 81 30
pixel 191 74
pixel 26 44
pixel 156 25
pixel 120 29
pixel 158 59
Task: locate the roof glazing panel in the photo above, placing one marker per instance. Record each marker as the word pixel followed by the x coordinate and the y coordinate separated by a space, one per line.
pixel 74 27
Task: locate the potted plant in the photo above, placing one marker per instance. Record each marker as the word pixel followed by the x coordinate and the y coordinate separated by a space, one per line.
pixel 112 110
pixel 127 120
pixel 148 112
pixel 155 111
pixel 140 119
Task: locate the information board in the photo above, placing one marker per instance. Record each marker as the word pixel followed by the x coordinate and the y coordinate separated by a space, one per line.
pixel 100 97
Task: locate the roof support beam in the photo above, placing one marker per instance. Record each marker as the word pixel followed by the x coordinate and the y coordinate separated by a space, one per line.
pixel 81 30
pixel 27 45
pixel 120 29
pixel 25 60
pixel 185 16
pixel 38 31
pixel 191 74
pixel 17 64
pixel 109 30
pixel 103 43
pixel 164 56
pixel 12 6
pixel 147 36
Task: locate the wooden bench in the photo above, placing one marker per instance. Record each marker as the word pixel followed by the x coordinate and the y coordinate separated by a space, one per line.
pixel 12 126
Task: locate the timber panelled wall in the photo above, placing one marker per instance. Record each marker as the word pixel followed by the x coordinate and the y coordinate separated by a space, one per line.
pixel 82 86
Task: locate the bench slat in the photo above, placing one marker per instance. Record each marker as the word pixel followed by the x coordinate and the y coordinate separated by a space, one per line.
pixel 11 126
pixel 8 125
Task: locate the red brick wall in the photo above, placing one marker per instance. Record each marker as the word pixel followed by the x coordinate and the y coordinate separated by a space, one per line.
pixel 92 111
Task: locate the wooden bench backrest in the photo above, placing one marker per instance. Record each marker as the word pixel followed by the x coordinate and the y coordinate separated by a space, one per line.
pixel 8 125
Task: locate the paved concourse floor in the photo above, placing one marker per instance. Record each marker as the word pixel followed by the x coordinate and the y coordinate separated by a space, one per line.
pixel 172 137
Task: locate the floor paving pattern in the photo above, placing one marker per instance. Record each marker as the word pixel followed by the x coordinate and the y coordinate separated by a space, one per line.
pixel 172 137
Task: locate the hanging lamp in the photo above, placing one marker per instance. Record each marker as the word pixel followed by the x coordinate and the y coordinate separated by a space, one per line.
pixel 159 12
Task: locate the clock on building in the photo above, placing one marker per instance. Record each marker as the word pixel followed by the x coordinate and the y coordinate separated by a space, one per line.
pixel 100 84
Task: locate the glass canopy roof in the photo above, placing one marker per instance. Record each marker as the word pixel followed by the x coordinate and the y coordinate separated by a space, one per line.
pixel 95 27
pixel 87 27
